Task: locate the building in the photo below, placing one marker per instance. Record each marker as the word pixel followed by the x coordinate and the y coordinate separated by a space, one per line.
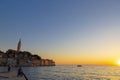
pixel 1 56
pixel 47 62
pixel 4 59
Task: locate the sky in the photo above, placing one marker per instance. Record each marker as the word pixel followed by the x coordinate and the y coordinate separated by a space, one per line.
pixel 67 31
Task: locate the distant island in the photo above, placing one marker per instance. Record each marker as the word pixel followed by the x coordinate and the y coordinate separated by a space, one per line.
pixel 22 58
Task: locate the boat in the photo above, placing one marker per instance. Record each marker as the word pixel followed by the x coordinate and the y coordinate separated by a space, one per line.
pixel 79 65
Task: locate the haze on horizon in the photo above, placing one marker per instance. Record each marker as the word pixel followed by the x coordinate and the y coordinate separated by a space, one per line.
pixel 68 31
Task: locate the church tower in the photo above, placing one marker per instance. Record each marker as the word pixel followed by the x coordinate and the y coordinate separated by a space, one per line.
pixel 19 46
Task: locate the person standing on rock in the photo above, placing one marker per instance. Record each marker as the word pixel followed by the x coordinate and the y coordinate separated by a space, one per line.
pixel 9 68
pixel 20 72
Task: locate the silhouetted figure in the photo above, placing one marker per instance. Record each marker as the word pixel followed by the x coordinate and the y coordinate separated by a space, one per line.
pixel 9 68
pixel 20 72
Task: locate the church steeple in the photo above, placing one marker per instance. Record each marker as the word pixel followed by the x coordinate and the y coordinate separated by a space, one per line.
pixel 19 46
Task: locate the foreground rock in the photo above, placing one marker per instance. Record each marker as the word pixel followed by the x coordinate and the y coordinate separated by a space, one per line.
pixel 12 75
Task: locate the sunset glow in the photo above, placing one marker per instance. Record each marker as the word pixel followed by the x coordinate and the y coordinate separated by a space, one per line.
pixel 118 62
pixel 68 31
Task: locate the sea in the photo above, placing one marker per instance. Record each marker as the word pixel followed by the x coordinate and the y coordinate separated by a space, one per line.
pixel 72 73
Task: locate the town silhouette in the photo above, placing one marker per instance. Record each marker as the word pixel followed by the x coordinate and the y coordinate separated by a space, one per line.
pixel 22 58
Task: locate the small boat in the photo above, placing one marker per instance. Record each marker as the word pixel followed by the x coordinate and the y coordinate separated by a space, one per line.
pixel 79 65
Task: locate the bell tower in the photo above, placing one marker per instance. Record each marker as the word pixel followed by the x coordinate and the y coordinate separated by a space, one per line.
pixel 19 46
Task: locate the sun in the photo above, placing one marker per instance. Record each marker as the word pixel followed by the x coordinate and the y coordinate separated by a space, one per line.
pixel 118 62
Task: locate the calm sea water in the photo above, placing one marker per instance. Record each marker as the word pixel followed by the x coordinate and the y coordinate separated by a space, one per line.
pixel 73 73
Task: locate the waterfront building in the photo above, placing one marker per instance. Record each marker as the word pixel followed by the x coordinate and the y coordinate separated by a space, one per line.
pixel 42 62
pixel 35 62
pixel 1 55
pixel 47 62
pixel 4 59
pixel 52 63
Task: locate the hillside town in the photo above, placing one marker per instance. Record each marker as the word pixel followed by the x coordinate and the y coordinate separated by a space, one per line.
pixel 22 58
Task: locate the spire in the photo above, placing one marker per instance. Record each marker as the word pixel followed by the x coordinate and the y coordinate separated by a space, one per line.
pixel 19 45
